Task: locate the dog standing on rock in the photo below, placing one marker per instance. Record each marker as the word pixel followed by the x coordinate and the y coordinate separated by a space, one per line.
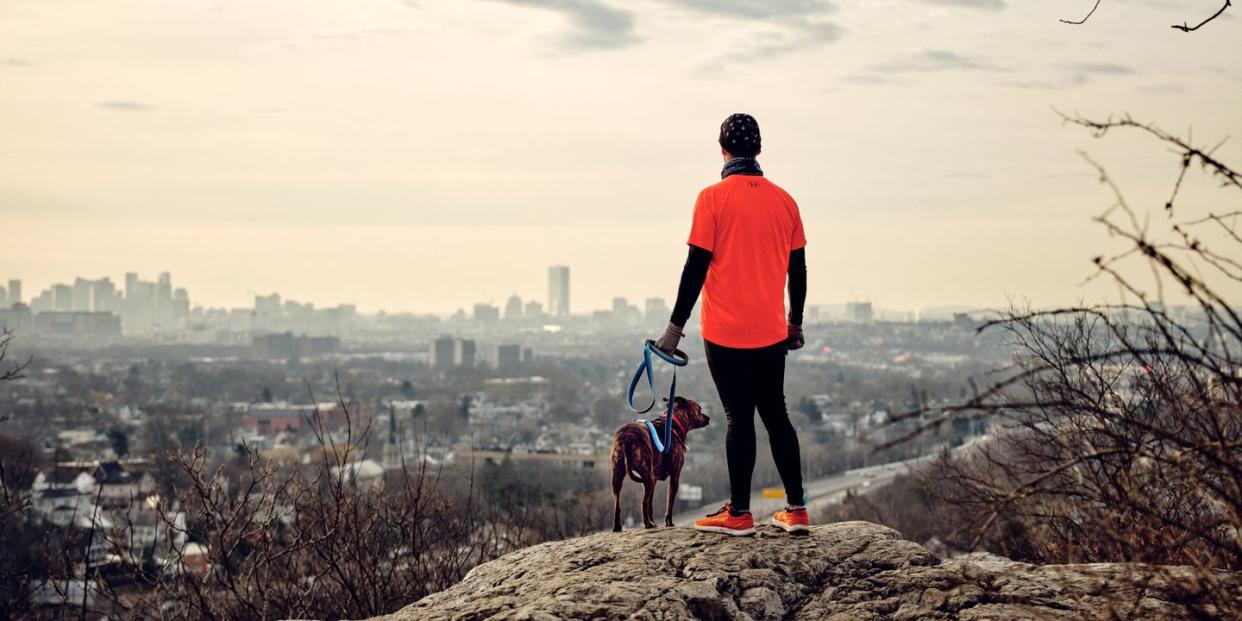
pixel 634 454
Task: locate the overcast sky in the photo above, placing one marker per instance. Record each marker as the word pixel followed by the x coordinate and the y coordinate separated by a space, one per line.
pixel 428 154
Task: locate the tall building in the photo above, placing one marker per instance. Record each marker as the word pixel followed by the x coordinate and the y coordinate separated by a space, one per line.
pixel 15 291
pixel 513 309
pixel 163 301
pixel 4 299
pixel 656 309
pixel 860 312
pixel 442 352
pixel 267 305
pixel 62 298
pixel 508 357
pixel 558 291
pixel 83 295
pixel 486 313
pixel 465 352
pixel 104 297
pixel 534 310
pixel 95 296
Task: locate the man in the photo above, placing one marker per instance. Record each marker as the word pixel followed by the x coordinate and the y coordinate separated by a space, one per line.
pixel 745 239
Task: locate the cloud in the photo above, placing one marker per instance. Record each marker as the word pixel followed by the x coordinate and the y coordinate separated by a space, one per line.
pixel 750 9
pixel 1077 74
pixel 120 105
pixel 931 61
pixel 593 24
pixel 772 29
pixel 16 62
pixel 969 4
pixel 897 70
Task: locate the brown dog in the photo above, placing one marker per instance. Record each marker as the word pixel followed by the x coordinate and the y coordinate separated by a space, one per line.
pixel 634 454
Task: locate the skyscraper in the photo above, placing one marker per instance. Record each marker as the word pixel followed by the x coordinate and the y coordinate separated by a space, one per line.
pixel 15 291
pixel 656 309
pixel 558 291
pixel 62 298
pixel 513 309
pixel 442 352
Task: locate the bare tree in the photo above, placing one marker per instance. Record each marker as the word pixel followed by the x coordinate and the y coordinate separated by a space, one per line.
pixel 1118 429
pixel 1184 26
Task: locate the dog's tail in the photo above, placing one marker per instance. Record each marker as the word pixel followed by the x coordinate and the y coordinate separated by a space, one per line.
pixel 623 464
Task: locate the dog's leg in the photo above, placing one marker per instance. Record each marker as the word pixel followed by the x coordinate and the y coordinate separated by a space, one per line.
pixel 618 478
pixel 672 498
pixel 648 496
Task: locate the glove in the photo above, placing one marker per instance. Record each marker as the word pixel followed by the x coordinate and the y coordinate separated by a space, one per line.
pixel 795 339
pixel 671 337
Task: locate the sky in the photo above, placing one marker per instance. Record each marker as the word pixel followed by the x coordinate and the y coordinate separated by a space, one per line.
pixel 426 155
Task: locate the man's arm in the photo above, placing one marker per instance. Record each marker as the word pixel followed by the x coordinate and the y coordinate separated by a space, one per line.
pixel 797 297
pixel 693 275
pixel 797 285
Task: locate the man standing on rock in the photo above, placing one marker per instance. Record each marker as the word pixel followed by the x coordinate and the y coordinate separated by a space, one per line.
pixel 745 239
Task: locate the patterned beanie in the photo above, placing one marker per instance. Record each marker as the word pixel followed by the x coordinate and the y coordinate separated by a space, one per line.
pixel 739 135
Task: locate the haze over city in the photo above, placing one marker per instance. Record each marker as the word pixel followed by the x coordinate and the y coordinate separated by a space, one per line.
pixel 424 156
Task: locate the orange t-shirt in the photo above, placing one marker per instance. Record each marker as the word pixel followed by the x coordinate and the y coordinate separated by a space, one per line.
pixel 750 225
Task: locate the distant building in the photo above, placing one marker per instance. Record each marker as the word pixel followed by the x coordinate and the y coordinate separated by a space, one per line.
pixel 860 312
pixel 622 310
pixel 656 309
pixel 447 352
pixel 4 298
pixel 584 458
pixel 465 353
pixel 534 311
pixel 62 298
pixel 17 318
pixel 15 292
pixel 443 352
pixel 508 357
pixel 558 291
pixel 286 345
pixel 78 324
pixel 272 418
pixel 267 304
pixel 513 308
pixel 486 313
pixel 95 295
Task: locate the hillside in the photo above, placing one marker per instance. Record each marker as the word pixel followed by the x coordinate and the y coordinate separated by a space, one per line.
pixel 853 571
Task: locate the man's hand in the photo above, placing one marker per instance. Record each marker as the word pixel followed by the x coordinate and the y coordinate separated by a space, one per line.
pixel 671 337
pixel 795 339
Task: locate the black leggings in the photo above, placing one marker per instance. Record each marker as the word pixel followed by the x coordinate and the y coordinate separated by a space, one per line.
pixel 748 379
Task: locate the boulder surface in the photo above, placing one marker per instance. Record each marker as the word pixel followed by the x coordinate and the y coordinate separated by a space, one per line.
pixel 855 571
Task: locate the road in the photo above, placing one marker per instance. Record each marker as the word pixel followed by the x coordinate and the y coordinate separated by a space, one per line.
pixel 824 492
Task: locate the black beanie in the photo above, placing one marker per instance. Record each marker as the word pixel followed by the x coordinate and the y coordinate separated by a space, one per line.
pixel 739 135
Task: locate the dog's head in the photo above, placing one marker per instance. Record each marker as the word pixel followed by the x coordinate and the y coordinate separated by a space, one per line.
pixel 690 412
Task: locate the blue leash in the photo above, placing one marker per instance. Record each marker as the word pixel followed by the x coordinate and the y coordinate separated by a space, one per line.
pixel 678 359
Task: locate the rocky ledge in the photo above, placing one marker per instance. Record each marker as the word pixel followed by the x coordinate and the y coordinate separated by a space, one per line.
pixel 853 571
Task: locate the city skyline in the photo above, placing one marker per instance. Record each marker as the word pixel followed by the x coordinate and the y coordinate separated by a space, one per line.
pixel 503 305
pixel 310 155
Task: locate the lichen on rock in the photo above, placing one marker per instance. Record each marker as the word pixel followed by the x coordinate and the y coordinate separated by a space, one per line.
pixel 850 571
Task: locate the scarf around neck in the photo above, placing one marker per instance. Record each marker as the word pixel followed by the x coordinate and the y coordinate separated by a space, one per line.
pixel 741 166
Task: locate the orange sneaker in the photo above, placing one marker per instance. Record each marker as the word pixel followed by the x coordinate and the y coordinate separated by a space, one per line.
pixel 792 520
pixel 723 521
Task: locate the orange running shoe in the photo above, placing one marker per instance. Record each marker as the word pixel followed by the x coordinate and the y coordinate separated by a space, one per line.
pixel 723 521
pixel 792 520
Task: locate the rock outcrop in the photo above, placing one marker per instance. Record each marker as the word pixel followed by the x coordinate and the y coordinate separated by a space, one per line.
pixel 852 571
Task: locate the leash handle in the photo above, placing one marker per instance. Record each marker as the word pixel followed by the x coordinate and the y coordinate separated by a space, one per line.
pixel 678 359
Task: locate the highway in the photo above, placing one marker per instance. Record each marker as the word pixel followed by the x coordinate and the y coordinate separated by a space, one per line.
pixel 821 493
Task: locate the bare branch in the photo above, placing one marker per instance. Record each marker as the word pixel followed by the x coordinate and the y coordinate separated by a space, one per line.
pixel 1186 28
pixel 1083 20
